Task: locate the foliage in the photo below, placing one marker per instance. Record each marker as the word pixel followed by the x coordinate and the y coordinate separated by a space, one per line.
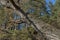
pixel 17 34
pixel 2 15
pixel 36 9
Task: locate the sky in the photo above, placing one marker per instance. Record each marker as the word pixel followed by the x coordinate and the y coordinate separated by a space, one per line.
pixel 52 1
pixel 49 1
pixel 47 5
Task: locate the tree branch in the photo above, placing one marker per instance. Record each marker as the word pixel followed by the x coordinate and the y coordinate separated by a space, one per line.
pixel 22 12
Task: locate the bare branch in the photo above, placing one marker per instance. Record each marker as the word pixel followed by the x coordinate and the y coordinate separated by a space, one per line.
pixel 26 16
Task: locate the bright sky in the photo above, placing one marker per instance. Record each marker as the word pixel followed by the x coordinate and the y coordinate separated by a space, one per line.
pixel 49 1
pixel 52 1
